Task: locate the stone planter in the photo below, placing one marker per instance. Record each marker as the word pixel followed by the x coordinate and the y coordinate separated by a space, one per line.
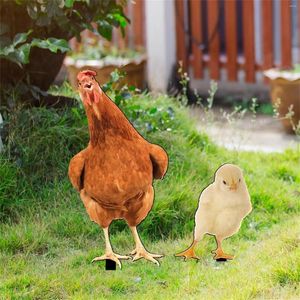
pixel 134 68
pixel 285 93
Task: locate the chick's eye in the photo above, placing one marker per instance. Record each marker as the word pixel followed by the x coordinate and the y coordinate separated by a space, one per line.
pixel 240 180
pixel 224 181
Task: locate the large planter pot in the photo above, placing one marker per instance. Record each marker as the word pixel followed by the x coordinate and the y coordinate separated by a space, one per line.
pixel 43 64
pixel 135 69
pixel 285 94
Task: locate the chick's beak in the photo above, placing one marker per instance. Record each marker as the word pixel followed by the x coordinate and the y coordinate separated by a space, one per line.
pixel 233 186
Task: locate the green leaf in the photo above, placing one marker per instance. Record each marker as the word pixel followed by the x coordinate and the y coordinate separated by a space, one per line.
pixel 21 38
pixel 153 110
pixel 69 3
pixel 18 55
pixel 23 53
pixel 135 107
pixel 32 10
pixel 51 8
pixel 51 44
pixel 63 21
pixel 121 19
pixel 131 88
pixel 40 43
pixel 105 29
pixel 77 13
pixel 115 76
pixel 12 57
pixel 60 44
pixel 7 50
pixel 118 99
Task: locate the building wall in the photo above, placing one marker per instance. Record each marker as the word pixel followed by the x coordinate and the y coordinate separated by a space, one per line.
pixel 160 43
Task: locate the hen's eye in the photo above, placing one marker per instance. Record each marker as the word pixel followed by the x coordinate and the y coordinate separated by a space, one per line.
pixel 224 181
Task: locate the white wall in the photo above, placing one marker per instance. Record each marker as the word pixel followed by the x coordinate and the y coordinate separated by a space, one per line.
pixel 160 42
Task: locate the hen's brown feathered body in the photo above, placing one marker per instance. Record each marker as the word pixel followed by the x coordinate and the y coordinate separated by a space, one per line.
pixel 114 174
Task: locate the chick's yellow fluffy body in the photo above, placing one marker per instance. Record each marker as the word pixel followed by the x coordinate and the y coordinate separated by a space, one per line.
pixel 222 207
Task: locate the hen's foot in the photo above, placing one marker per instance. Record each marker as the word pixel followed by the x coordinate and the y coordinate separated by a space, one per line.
pixel 112 256
pixel 133 252
pixel 220 255
pixel 143 253
pixel 189 253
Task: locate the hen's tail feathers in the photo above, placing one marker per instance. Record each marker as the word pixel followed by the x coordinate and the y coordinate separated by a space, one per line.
pixel 159 159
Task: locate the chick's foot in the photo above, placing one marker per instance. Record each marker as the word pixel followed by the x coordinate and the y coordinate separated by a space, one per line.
pixel 220 255
pixel 112 256
pixel 189 253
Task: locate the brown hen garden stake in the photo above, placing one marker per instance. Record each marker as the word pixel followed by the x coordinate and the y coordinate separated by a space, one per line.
pixel 114 173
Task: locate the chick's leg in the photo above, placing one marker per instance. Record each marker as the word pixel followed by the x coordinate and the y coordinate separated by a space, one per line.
pixel 219 254
pixel 109 254
pixel 140 251
pixel 198 235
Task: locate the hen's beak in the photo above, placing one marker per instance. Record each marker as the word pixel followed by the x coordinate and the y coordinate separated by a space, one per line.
pixel 88 86
pixel 233 186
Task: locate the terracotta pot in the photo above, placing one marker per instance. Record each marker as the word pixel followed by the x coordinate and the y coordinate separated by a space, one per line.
pixel 135 71
pixel 285 92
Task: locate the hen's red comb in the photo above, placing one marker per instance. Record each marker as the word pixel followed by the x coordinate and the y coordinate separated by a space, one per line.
pixel 85 73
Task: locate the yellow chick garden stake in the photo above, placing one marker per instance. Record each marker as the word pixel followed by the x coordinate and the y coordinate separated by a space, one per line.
pixel 222 207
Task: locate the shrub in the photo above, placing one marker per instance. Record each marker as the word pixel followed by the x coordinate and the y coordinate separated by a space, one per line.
pixel 8 184
pixel 41 141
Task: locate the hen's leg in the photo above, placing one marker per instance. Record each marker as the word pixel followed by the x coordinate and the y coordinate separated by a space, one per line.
pixel 109 254
pixel 94 210
pixel 140 251
pixel 219 254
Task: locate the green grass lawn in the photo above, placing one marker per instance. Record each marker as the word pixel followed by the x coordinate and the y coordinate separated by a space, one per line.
pixel 47 241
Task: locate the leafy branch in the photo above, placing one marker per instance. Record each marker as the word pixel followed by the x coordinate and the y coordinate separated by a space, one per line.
pixel 19 50
pixel 52 22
